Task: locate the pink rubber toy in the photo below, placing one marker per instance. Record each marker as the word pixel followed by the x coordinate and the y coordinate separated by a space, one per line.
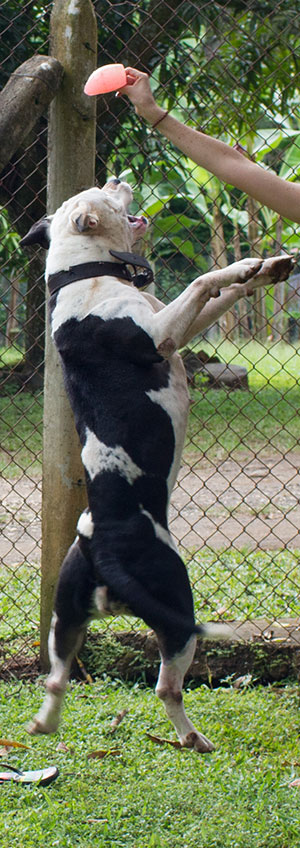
pixel 104 79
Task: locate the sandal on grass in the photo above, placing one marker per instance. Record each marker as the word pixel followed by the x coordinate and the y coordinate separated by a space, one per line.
pixel 41 776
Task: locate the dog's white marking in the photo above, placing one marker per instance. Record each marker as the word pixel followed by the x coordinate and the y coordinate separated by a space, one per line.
pixel 98 457
pixel 47 719
pixel 133 306
pixel 175 404
pixel 85 524
pixel 160 532
pixel 70 307
pixel 169 688
pixel 102 297
pixel 100 601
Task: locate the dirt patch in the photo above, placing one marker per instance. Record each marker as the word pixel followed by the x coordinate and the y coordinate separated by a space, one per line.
pixel 250 501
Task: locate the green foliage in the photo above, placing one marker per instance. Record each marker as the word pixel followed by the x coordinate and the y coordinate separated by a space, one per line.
pixel 24 31
pixel 10 356
pixel 14 267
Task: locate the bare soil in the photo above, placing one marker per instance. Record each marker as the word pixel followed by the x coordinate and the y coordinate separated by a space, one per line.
pixel 247 501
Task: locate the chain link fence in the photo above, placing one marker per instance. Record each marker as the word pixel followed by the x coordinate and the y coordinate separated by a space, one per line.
pixel 231 69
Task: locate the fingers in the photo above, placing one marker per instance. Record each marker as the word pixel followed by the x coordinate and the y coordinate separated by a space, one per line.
pixel 133 75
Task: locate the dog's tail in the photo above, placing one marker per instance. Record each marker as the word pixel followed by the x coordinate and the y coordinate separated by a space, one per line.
pixel 217 630
pixel 155 613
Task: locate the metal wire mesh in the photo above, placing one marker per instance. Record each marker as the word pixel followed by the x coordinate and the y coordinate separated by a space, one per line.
pixel 231 69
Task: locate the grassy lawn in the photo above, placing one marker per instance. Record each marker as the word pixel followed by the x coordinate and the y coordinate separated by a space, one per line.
pixel 21 414
pixel 10 356
pixel 267 415
pixel 150 796
pixel 238 584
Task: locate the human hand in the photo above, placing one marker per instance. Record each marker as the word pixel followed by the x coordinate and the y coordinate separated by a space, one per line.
pixel 138 90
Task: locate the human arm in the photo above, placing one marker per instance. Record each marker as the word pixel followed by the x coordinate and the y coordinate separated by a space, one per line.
pixel 225 162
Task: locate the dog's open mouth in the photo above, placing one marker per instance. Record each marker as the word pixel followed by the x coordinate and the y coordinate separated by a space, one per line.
pixel 138 222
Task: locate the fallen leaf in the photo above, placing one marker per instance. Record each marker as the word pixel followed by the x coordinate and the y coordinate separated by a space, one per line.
pixel 243 681
pixel 8 743
pixel 222 610
pixel 295 783
pixel 62 747
pixel 160 741
pixel 117 720
pixel 97 821
pixel 288 763
pixel 84 672
pixel 4 751
pixel 99 755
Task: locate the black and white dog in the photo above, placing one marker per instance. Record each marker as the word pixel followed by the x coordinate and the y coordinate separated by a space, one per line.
pixel 128 391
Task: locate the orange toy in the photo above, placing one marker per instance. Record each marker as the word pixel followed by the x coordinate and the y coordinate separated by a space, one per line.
pixel 104 79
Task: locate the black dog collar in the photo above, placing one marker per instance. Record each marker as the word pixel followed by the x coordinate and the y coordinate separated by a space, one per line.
pixel 99 269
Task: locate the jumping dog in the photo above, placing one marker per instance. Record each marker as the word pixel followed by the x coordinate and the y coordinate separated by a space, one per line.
pixel 127 386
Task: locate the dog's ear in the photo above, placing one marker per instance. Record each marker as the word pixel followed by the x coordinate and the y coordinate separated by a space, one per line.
pixel 84 219
pixel 39 233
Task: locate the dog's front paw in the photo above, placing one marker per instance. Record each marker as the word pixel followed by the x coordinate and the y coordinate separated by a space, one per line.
pixel 245 269
pixel 267 272
pixel 275 269
pixel 197 742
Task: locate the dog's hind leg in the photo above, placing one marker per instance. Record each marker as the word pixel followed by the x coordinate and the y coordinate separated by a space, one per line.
pixel 68 627
pixel 62 645
pixel 169 689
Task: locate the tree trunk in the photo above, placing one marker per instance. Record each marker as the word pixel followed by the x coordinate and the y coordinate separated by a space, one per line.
pixel 12 320
pixel 258 299
pixel 242 306
pixel 219 253
pixel 279 319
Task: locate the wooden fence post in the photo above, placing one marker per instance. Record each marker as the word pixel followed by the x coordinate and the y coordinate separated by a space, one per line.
pixel 71 168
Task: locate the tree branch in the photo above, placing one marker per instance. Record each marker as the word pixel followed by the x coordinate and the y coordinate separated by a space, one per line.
pixel 23 100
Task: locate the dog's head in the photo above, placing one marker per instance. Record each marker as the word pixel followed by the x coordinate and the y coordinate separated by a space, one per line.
pixel 95 212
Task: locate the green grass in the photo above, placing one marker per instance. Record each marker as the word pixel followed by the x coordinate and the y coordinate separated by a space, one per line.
pixel 10 356
pixel 266 416
pixel 21 433
pixel 149 796
pixel 235 584
pixel 19 604
pixel 245 584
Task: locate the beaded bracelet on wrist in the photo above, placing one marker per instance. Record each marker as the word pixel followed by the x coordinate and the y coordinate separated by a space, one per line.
pixel 160 119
